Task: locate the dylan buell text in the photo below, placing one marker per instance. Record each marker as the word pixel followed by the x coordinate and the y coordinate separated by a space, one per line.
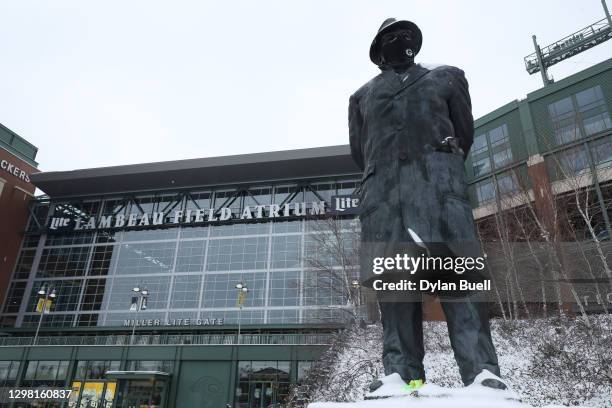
pixel 424 285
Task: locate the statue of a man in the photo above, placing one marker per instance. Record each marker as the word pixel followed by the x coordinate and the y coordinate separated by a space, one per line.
pixel 410 130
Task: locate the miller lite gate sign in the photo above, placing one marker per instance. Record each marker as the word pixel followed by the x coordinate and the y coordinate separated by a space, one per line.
pixel 339 205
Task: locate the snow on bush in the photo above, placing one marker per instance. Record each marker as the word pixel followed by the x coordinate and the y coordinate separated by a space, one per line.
pixel 547 361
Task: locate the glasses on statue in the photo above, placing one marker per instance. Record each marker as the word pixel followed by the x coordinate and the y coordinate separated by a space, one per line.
pixel 394 35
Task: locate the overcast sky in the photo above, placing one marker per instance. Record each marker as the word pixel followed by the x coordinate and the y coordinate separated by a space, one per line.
pixel 118 82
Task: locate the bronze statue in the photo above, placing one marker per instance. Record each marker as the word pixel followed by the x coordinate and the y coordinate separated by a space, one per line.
pixel 410 130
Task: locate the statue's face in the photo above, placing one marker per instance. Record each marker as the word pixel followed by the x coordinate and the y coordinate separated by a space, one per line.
pixel 397 47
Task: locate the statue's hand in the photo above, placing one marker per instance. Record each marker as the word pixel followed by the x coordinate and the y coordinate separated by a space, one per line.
pixel 450 145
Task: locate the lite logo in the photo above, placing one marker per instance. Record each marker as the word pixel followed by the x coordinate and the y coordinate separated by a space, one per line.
pixel 342 204
pixel 59 223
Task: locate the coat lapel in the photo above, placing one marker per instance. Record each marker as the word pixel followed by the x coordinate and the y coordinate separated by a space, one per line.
pixel 394 83
pixel 415 73
pixel 391 80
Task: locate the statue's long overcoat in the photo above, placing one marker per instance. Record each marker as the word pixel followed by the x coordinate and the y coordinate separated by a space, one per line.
pixel 395 125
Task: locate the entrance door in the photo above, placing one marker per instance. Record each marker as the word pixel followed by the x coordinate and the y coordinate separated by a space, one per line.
pixel 99 394
pixel 263 395
pixel 140 393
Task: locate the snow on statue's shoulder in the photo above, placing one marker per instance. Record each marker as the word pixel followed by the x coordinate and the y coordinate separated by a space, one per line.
pixel 432 65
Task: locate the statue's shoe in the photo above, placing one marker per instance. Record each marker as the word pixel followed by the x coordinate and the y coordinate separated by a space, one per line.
pixel 487 383
pixel 490 380
pixel 392 385
pixel 374 385
pixel 494 383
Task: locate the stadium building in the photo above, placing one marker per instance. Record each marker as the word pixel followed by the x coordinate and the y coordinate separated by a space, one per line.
pixel 142 267
pixel 185 233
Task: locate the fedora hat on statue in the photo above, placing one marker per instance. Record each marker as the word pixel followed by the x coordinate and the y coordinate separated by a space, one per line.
pixel 388 26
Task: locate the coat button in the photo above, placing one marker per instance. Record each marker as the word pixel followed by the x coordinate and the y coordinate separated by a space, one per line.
pixel 403 155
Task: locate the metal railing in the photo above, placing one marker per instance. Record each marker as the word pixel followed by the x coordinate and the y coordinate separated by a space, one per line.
pixel 579 41
pixel 172 339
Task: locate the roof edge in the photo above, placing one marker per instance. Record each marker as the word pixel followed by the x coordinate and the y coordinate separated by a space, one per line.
pixel 185 164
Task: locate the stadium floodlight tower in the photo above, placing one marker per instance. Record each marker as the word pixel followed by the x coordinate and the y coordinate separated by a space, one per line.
pixel 569 46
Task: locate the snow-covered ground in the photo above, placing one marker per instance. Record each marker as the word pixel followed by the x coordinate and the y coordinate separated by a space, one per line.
pixel 548 362
pixel 408 402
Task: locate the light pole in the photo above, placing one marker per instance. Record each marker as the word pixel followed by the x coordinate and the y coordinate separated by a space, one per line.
pixel 47 293
pixel 356 287
pixel 358 308
pixel 139 302
pixel 242 292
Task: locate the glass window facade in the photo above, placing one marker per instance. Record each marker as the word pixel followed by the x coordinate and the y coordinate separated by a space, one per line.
pixel 262 384
pixel 145 258
pixel 303 368
pixel 94 369
pixel 24 264
pixel 507 185
pixel 46 373
pixel 14 297
pixel 574 161
pixel 231 254
pixel 593 110
pixel 485 191
pixel 480 144
pixel 564 121
pixel 70 290
pixel 190 271
pixel 8 371
pixel 61 262
pixel 602 152
pixel 491 150
pixel 482 166
pixel 582 114
pixel 150 365
pixel 186 291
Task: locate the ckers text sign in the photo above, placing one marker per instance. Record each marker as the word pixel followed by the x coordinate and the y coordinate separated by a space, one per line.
pixel 14 170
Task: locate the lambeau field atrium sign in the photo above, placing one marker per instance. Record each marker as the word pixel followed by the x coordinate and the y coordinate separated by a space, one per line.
pixel 340 205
